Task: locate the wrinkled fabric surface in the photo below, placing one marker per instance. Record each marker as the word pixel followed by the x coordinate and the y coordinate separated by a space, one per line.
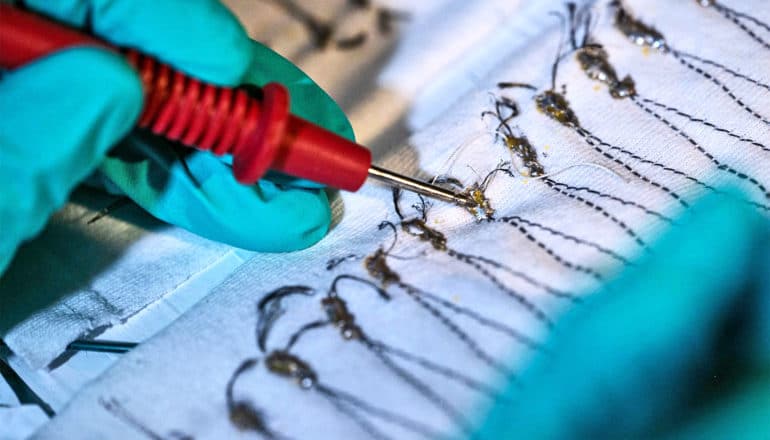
pixel 562 240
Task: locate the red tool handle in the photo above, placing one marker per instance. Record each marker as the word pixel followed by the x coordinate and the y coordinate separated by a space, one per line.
pixel 260 134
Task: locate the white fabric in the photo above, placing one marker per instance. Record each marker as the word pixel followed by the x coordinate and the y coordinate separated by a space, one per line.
pixel 177 380
pixel 78 277
pixel 56 386
pixel 19 423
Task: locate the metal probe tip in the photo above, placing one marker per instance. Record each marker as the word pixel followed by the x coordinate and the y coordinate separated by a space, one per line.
pixel 399 181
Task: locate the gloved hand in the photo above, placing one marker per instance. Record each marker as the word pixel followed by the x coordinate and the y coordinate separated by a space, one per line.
pixel 62 114
pixel 677 348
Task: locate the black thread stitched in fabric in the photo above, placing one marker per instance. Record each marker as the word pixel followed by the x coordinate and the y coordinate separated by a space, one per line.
pixel 519 274
pixel 601 210
pixel 732 72
pixel 735 17
pixel 620 200
pixel 554 255
pixel 302 331
pixel 745 16
pixel 518 297
pixel 289 366
pixel 426 391
pixel 380 291
pixel 464 337
pixel 269 310
pixel 353 415
pixel 706 123
pixel 243 414
pixel 482 320
pixel 590 138
pixel 594 141
pixel 339 315
pixel 721 85
pixel 472 260
pixel 571 238
pixel 442 370
pixel 357 404
pixel 714 160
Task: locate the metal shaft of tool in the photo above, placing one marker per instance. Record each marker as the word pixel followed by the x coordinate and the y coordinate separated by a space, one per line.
pixel 101 346
pixel 397 180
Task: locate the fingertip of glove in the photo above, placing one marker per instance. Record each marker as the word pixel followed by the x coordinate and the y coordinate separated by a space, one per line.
pixel 300 219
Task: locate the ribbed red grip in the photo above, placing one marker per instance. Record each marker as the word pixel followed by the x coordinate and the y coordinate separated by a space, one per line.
pixel 260 134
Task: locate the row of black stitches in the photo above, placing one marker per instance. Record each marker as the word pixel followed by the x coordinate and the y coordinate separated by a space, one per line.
pixel 647 36
pixel 554 105
pixel 337 314
pixel 520 147
pixel 419 228
pixel 739 19
pixel 594 60
pixel 284 362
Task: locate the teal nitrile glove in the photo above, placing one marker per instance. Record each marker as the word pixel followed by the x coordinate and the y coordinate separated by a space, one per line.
pixel 678 347
pixel 62 114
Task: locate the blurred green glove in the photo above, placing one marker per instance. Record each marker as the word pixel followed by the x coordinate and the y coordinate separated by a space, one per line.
pixel 62 114
pixel 678 347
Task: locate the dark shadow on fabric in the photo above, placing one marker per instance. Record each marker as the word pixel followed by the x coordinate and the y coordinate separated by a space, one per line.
pixel 66 257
